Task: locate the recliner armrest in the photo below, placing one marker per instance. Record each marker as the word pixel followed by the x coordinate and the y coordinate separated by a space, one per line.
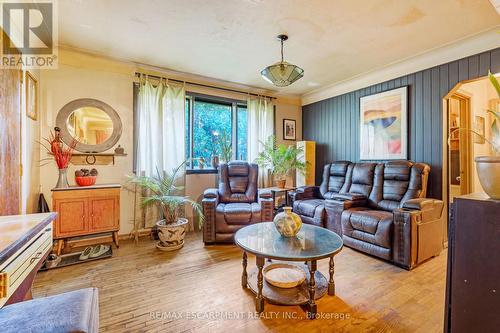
pixel 211 193
pixel 431 208
pixel 304 193
pixel 265 194
pixel 209 205
pixel 418 231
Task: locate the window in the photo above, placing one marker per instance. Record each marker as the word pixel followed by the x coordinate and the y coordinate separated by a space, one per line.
pixel 215 127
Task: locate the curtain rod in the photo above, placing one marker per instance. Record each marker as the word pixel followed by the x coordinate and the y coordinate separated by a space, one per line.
pixel 204 85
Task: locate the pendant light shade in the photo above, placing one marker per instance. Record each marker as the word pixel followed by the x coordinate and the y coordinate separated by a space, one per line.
pixel 282 73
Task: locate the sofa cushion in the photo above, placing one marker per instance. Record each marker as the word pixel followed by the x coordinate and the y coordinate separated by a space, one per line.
pixel 238 182
pixel 372 226
pixel 362 178
pixel 310 208
pixel 238 213
pixel 335 178
pixel 74 311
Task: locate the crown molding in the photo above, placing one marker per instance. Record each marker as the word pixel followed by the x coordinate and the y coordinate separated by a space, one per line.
pixel 463 48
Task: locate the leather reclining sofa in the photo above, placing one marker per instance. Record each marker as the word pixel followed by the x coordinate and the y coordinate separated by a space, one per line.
pixel 377 208
pixel 236 203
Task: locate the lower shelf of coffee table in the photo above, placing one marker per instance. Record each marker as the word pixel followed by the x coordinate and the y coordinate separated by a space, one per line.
pixel 289 296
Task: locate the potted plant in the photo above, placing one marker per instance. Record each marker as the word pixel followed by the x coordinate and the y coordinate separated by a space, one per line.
pixel 280 160
pixel 164 192
pixel 488 167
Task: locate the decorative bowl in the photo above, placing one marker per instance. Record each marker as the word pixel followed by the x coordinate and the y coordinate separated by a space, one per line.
pixel 284 275
pixel 85 181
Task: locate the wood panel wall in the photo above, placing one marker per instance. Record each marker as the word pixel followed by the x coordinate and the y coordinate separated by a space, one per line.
pixel 10 143
pixel 334 123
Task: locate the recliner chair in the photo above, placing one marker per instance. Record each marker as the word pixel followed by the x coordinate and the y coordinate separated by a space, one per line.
pixel 309 201
pixel 236 203
pixel 381 209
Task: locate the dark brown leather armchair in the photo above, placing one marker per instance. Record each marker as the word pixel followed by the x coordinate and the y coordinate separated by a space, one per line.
pixel 236 203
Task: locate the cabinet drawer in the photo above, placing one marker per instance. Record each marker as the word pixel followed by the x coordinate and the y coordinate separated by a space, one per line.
pixel 15 272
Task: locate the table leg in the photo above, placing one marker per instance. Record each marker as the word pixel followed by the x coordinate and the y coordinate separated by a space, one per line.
pixel 331 283
pixel 311 305
pixel 259 301
pixel 244 275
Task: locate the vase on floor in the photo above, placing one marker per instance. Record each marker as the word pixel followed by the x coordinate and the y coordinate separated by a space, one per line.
pixel 62 181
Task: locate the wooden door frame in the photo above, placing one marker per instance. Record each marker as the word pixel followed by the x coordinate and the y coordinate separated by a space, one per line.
pixel 469 152
pixel 444 151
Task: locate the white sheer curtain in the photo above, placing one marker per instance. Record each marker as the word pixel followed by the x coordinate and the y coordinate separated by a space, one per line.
pixel 260 127
pixel 160 127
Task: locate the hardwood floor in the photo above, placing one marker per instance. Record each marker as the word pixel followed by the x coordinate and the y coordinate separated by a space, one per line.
pixel 141 285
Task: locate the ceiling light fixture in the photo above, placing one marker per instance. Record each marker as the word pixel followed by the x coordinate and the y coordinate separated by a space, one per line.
pixel 282 73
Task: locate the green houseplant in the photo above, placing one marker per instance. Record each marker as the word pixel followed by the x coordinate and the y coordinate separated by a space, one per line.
pixel 280 160
pixel 164 192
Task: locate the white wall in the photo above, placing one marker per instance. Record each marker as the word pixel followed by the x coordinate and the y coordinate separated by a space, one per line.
pixel 82 75
pixel 68 83
pixel 30 153
pixel 481 93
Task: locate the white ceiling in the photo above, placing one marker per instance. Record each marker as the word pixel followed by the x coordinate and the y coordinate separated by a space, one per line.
pixel 333 40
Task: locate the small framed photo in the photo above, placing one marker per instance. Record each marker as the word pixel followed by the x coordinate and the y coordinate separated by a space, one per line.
pixel 31 96
pixel 479 128
pixel 289 130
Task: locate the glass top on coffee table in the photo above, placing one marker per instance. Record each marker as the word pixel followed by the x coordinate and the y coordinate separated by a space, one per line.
pixel 311 243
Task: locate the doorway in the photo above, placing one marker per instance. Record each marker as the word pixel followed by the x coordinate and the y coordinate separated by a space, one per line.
pixel 460 146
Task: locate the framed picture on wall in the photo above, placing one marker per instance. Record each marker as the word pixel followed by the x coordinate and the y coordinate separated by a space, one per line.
pixel 289 130
pixel 31 96
pixel 479 129
pixel 384 126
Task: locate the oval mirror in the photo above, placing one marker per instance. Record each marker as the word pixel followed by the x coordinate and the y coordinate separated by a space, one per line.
pixel 94 125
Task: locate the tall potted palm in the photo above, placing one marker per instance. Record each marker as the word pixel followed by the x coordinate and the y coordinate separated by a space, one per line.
pixel 164 192
pixel 280 159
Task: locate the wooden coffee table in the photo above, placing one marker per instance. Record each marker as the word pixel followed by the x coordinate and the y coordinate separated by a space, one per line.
pixel 310 245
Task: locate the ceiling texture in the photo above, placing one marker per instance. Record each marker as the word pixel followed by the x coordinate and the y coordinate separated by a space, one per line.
pixel 233 40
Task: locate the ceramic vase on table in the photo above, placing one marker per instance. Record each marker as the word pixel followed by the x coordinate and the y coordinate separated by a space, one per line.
pixel 287 222
pixel 62 181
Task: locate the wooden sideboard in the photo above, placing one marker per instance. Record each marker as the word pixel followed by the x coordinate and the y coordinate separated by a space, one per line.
pixel 25 242
pixel 473 274
pixel 85 211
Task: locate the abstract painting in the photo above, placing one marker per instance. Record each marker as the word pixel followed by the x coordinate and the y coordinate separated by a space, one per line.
pixel 383 121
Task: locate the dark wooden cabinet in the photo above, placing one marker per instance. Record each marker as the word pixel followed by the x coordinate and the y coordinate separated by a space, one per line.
pixel 473 274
